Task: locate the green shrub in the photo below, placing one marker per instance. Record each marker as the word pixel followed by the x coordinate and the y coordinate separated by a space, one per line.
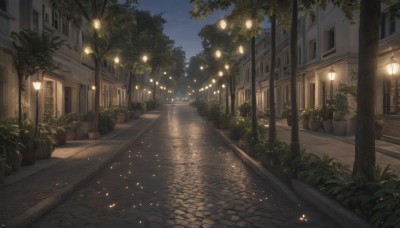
pixel 245 109
pixel 150 105
pixel 214 112
pixel 225 119
pixel 239 128
pixel 138 106
pixel 9 141
pixel 202 108
pixel 106 121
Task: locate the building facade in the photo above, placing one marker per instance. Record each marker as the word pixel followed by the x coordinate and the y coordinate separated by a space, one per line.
pixel 327 42
pixel 68 88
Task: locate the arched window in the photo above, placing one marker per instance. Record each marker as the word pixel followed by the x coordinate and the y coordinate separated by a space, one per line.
pixel 3 92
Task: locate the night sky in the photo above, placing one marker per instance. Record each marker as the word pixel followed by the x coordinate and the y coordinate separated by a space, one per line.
pixel 180 27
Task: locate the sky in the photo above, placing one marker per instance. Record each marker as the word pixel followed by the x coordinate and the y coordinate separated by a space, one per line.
pixel 180 27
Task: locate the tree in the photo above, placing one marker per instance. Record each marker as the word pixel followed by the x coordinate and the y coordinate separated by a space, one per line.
pixel 33 52
pixel 105 38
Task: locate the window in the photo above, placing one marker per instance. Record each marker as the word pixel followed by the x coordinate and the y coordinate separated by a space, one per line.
pixel 266 68
pixel 248 75
pixel 55 20
pixel 312 47
pixel 261 67
pixel 65 26
pixel 3 5
pixel 49 99
pixel 331 38
pixel 35 21
pixel 392 23
pixel 383 25
pixel 3 93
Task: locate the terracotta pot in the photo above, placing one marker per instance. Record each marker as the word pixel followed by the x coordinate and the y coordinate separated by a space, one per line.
pixel 71 136
pixel 61 139
pixel 94 135
pixel 339 127
pixel 136 114
pixel 121 118
pixel 327 126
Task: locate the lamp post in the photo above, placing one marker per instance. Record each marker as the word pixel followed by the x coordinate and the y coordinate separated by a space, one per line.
pixel 37 85
pixel 331 76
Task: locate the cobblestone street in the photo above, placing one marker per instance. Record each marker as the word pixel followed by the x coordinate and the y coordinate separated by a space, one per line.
pixel 180 174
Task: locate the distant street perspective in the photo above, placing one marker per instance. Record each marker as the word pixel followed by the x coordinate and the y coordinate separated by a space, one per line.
pixel 180 174
pixel 200 113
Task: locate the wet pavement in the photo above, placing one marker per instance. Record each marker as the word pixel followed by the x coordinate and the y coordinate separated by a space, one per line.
pixel 180 174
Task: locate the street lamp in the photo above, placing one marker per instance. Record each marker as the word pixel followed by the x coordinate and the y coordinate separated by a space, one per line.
pixel 37 85
pixel 145 58
pixel 96 24
pixel 249 23
pixel 218 53
pixel 220 73
pixel 87 50
pixel 240 49
pixel 393 66
pixel 116 59
pixel 331 76
pixel 222 24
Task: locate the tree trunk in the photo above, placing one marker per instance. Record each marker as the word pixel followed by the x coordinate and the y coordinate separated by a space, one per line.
pixel 254 132
pixel 232 89
pixel 95 124
pixel 272 119
pixel 129 87
pixel 20 81
pixel 294 143
pixel 227 98
pixel 364 162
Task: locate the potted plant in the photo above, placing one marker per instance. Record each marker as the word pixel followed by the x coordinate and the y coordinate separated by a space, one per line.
pixel 326 113
pixel 225 119
pixel 59 128
pixel 9 144
pixel 379 123
pixel 28 143
pixel 286 113
pixel 122 115
pixel 45 142
pixel 84 125
pixel 305 118
pixel 341 109
pixel 73 122
pixel 136 110
pixel 315 121
pixel 245 109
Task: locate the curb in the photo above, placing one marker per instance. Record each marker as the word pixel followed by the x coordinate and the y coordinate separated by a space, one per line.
pixel 46 205
pixel 329 207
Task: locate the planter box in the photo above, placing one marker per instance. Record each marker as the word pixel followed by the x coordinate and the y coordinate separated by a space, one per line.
pixel 339 127
pixel 314 125
pixel 28 157
pixel 94 135
pixel 82 131
pixel 122 118
pixel 327 126
pixel 71 136
pixel 136 114
pixel 43 152
pixel 61 139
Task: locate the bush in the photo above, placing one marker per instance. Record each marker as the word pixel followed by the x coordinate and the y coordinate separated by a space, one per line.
pixel 138 106
pixel 106 121
pixel 239 128
pixel 225 119
pixel 202 108
pixel 150 105
pixel 214 112
pixel 245 109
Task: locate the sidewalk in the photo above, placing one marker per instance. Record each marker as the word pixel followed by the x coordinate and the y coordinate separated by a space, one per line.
pixel 34 190
pixel 340 147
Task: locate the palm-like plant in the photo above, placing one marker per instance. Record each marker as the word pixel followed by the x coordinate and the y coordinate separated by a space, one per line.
pixel 33 52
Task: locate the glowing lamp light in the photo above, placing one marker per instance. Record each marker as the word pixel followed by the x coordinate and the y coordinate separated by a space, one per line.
pixel 136 87
pixel 241 49
pixel 249 24
pixel 222 24
pixel 206 87
pixel 201 68
pixel 145 58
pixel 151 80
pixel 393 66
pixel 332 74
pixel 87 50
pixel 210 85
pixel 220 73
pixel 194 80
pixel 213 81
pixel 170 78
pixel 149 92
pixel 218 53
pixel 156 83
pixel 96 24
pixel 165 72
pixel 116 60
pixel 226 67
pixel 93 87
pixel 223 85
pixel 37 85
